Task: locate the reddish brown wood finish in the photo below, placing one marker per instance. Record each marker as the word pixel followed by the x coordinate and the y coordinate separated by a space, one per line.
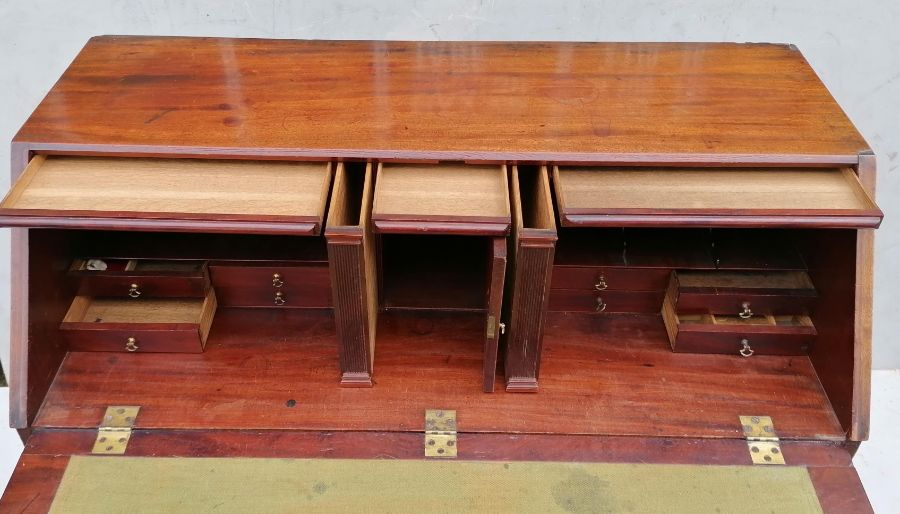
pixel 151 337
pixel 862 313
pixel 565 102
pixel 494 303
pixel 601 279
pixel 620 366
pixel 575 300
pixel 178 284
pixel 303 285
pixel 41 467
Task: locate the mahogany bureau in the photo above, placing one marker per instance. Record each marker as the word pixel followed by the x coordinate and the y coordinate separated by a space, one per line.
pixel 669 246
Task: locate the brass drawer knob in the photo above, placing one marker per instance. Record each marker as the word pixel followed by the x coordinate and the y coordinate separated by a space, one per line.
pixel 746 312
pixel 601 284
pixel 601 305
pixel 745 350
pixel 279 298
pixel 134 291
pixel 277 281
pixel 131 344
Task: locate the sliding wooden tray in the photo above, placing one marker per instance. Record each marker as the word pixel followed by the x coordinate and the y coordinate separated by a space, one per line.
pixel 443 198
pixel 145 325
pixel 743 293
pixel 142 278
pixel 762 197
pixel 169 194
pixel 732 334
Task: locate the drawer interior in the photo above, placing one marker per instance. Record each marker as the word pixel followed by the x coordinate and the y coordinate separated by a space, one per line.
pixel 152 266
pixel 616 196
pixel 780 320
pixel 86 309
pixel 170 193
pixel 445 198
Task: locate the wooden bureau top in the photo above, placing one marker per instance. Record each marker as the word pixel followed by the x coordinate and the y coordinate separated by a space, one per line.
pixel 489 101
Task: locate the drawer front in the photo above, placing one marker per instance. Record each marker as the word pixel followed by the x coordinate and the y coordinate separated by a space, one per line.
pixel 307 285
pixel 732 343
pixel 176 338
pixel 143 278
pixel 136 286
pixel 574 300
pixel 610 278
pixel 737 304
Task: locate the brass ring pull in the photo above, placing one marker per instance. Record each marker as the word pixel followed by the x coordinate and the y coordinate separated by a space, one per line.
pixel 601 284
pixel 277 281
pixel 131 345
pixel 279 298
pixel 134 291
pixel 601 306
pixel 746 313
pixel 745 350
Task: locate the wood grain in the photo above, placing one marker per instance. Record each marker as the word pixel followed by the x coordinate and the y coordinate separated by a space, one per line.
pixel 57 191
pixel 679 196
pixel 566 102
pixel 620 366
pixel 444 198
pixel 862 322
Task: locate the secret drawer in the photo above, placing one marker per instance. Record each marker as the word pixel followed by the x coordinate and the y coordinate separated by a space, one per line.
pixel 146 325
pixel 577 300
pixel 742 294
pixel 138 278
pixel 293 285
pixel 611 278
pixel 755 335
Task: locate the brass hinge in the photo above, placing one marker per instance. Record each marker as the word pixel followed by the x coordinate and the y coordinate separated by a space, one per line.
pixel 115 430
pixel 440 434
pixel 762 441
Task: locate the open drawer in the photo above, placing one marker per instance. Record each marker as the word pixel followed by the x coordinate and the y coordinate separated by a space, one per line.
pixel 141 278
pixel 766 334
pixel 759 197
pixel 169 195
pixel 461 199
pixel 148 325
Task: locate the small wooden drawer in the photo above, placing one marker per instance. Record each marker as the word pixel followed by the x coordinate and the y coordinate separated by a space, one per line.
pixel 732 334
pixel 580 300
pixel 148 325
pixel 140 278
pixel 294 285
pixel 742 293
pixel 610 278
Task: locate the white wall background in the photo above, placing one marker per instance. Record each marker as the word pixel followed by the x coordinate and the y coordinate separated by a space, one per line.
pixel 853 45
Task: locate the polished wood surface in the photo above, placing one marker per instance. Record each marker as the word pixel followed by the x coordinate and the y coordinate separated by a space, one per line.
pixel 620 366
pixel 169 194
pixel 615 197
pixel 571 102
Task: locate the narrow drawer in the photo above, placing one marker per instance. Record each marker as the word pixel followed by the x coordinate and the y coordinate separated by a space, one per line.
pixel 579 300
pixel 147 325
pixel 731 334
pixel 295 285
pixel 610 278
pixel 743 293
pixel 141 278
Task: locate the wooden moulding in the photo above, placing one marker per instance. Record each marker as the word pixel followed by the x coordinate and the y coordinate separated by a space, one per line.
pixel 157 325
pixel 199 195
pixel 750 197
pixel 459 199
pixel 531 266
pixel 352 265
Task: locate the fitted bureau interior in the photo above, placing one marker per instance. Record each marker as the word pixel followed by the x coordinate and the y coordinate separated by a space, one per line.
pixel 269 358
